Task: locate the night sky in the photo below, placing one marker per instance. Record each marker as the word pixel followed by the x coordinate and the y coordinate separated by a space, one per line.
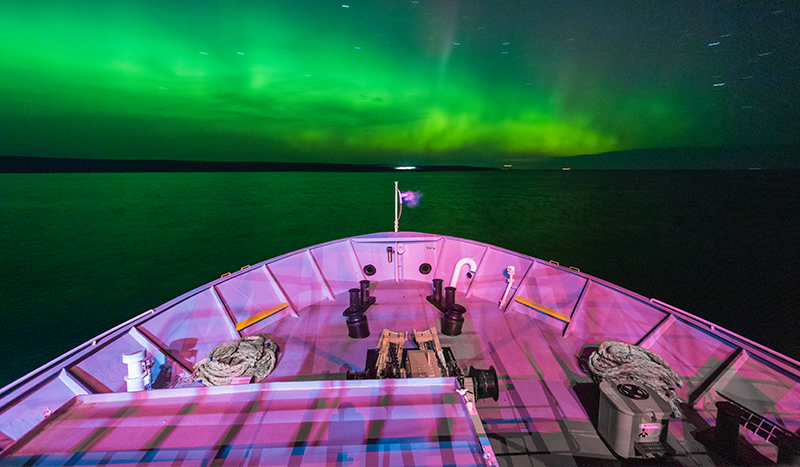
pixel 481 82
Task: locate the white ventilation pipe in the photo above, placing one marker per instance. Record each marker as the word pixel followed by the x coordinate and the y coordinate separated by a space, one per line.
pixel 509 281
pixel 457 271
pixel 138 371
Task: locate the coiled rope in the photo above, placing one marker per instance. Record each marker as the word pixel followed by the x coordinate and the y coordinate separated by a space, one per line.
pixel 249 356
pixel 621 360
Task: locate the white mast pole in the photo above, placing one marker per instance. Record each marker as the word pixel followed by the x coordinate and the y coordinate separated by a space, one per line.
pixel 396 194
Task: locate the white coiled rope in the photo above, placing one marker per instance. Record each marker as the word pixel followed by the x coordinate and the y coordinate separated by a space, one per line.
pixel 249 356
pixel 621 360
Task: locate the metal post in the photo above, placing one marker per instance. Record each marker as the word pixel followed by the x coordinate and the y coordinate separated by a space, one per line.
pixel 396 195
pixel 727 429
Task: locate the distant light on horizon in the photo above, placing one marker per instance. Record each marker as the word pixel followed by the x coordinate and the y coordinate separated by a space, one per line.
pixel 405 167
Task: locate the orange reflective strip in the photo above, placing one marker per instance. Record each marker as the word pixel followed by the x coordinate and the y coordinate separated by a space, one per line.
pixel 542 308
pixel 264 314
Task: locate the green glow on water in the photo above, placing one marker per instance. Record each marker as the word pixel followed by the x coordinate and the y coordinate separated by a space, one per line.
pixel 85 252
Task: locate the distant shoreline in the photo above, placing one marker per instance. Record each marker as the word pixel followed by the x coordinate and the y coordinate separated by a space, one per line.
pixel 785 157
pixel 24 164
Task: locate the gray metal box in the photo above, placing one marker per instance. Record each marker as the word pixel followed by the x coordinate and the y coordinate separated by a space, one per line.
pixel 632 414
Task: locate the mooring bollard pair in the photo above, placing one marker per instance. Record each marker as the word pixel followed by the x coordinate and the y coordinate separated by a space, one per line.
pixel 360 300
pixel 452 319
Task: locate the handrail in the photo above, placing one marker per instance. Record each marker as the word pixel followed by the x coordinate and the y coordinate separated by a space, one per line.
pixel 731 415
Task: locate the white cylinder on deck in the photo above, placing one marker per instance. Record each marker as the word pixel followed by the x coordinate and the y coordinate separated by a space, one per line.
pixel 134 358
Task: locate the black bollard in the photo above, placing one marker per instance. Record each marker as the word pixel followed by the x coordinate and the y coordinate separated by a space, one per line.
pixel 364 291
pixel 437 290
pixel 452 321
pixel 366 300
pixel 449 297
pixel 355 302
pixel 727 429
pixel 355 298
pixel 357 326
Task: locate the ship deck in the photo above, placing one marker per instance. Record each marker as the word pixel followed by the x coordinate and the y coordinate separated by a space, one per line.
pixel 307 413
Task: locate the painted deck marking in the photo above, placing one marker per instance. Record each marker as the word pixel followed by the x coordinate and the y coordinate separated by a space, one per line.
pixel 543 309
pixel 264 314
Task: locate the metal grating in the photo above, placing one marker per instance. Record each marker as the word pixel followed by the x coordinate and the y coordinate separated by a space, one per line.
pixel 653 449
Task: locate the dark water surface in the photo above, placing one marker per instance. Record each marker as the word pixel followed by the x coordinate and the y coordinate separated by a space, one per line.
pixel 81 253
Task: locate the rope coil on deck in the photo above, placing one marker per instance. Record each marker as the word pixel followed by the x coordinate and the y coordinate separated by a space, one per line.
pixel 621 360
pixel 249 356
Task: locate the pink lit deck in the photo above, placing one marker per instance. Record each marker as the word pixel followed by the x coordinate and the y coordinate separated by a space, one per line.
pixel 369 422
pixel 305 413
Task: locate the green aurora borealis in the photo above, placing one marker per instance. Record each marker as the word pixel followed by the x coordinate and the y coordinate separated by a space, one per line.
pixel 401 82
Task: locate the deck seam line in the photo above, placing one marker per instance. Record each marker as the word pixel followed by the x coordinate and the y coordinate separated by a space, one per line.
pixel 705 385
pixel 568 327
